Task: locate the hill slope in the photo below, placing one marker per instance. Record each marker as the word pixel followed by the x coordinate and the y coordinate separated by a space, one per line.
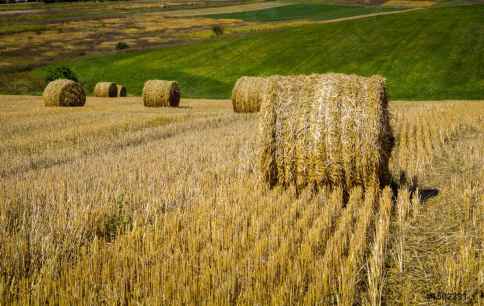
pixel 316 11
pixel 428 54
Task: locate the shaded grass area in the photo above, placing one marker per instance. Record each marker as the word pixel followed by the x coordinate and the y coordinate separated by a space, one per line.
pixel 428 54
pixel 6 28
pixel 65 11
pixel 304 11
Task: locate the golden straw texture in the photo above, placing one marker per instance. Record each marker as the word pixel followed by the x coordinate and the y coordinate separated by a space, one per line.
pixel 330 129
pixel 158 93
pixel 64 93
pixel 247 94
pixel 106 90
pixel 122 92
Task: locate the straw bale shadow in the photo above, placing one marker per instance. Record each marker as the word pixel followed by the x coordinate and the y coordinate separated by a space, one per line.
pixel 411 183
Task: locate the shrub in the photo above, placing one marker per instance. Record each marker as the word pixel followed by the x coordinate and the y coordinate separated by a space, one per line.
pixel 218 30
pixel 62 72
pixel 121 45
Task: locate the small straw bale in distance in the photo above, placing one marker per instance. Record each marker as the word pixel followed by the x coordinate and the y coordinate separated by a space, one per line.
pixel 106 90
pixel 330 129
pixel 158 93
pixel 122 92
pixel 64 93
pixel 247 94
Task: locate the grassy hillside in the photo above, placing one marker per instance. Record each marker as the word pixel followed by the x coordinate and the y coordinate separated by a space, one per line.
pixel 304 11
pixel 428 54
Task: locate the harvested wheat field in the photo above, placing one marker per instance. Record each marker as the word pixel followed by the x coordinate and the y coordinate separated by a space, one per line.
pixel 115 203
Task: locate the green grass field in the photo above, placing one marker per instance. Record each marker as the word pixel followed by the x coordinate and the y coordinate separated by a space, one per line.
pixel 304 11
pixel 428 54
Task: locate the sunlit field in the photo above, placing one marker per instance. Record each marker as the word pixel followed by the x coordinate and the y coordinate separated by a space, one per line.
pixel 355 189
pixel 115 203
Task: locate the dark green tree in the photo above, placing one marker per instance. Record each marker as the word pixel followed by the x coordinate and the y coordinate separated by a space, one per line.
pixel 62 72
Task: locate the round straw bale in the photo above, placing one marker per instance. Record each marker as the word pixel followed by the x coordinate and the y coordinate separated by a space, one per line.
pixel 106 90
pixel 330 129
pixel 64 93
pixel 161 93
pixel 247 94
pixel 122 92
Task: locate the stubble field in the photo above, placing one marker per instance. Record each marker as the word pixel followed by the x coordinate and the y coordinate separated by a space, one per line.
pixel 114 203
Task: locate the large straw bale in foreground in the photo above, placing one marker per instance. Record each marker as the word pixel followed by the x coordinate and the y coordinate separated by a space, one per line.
pixel 247 94
pixel 64 93
pixel 122 92
pixel 106 90
pixel 328 129
pixel 161 93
